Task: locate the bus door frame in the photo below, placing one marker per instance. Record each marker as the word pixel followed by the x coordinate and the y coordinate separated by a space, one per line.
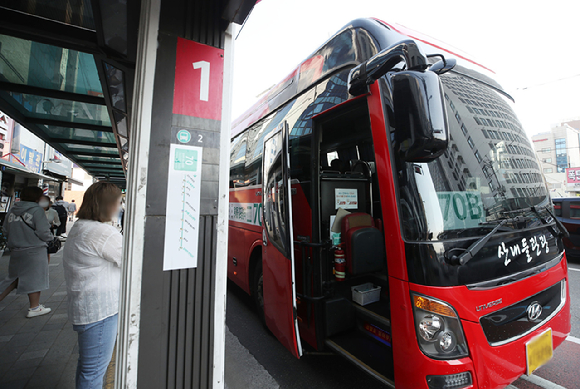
pixel 278 262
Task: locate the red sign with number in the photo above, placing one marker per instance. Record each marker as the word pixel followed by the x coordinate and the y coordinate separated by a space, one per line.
pixel 199 71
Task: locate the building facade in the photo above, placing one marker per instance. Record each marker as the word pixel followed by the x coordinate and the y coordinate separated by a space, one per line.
pixel 26 160
pixel 75 189
pixel 557 150
pixel 493 141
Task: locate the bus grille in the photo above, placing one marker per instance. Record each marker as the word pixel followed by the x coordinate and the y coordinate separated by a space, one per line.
pixel 513 322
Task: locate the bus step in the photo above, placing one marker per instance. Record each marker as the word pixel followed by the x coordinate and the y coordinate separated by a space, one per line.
pixel 365 353
pixel 367 314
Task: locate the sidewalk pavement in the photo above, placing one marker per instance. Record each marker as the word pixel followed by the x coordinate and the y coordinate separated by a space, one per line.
pixel 39 352
pixel 42 352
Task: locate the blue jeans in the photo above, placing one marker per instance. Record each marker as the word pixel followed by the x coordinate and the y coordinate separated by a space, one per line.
pixel 96 343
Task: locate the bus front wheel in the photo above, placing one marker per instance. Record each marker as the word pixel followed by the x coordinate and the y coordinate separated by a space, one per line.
pixel 258 291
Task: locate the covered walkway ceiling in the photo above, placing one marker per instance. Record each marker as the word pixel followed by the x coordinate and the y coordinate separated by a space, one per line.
pixel 67 69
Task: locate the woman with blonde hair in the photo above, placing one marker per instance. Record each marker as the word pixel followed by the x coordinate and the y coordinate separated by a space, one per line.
pixel 92 271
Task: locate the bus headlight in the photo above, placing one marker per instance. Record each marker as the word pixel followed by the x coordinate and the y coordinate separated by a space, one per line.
pixel 446 342
pixel 429 326
pixel 438 328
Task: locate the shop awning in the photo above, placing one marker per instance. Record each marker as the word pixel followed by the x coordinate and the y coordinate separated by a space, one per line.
pixel 73 181
pixel 16 168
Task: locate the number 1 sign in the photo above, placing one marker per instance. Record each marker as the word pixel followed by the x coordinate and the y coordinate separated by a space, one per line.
pixel 198 80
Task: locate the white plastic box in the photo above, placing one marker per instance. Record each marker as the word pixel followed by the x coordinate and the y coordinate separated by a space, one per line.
pixel 366 293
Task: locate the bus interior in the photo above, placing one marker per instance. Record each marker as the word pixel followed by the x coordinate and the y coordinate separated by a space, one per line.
pixel 344 176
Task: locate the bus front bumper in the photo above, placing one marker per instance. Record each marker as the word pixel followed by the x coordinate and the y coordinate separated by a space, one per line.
pixel 499 366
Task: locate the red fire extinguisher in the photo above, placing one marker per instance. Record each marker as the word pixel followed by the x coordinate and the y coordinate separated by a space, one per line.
pixel 339 264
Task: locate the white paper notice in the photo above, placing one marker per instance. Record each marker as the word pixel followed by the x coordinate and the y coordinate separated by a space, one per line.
pixel 345 198
pixel 182 213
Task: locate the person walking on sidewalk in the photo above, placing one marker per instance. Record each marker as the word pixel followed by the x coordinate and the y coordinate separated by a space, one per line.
pixel 61 207
pixel 51 214
pixel 72 208
pixel 28 232
pixel 92 271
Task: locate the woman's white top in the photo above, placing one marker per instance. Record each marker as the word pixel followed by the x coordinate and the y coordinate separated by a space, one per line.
pixel 92 271
pixel 52 217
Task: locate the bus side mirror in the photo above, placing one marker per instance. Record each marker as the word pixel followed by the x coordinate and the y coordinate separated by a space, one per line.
pixel 422 132
pixel 378 65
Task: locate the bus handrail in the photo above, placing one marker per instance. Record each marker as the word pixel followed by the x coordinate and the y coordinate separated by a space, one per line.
pixel 309 244
pixel 307 274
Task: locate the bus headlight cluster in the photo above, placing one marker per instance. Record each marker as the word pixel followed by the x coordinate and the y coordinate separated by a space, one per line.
pixel 446 341
pixel 439 330
pixel 429 326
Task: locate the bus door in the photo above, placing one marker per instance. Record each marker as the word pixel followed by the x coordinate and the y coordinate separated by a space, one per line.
pixel 279 287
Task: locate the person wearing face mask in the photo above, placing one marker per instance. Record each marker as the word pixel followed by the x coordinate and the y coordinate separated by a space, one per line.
pixel 51 214
pixel 92 271
pixel 28 233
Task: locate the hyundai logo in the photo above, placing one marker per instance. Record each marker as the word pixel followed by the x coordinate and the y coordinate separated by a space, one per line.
pixel 534 311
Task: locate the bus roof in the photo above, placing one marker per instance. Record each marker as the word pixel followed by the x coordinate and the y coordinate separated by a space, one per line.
pixel 317 66
pixel 306 74
pixel 418 36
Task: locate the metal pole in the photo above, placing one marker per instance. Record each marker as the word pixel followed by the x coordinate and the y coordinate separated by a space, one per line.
pixel 130 299
pixel 223 212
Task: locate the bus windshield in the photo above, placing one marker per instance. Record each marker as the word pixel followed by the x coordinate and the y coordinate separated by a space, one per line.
pixel 488 170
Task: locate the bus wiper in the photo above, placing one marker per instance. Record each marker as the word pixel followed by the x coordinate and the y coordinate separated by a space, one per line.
pixel 470 252
pixel 562 231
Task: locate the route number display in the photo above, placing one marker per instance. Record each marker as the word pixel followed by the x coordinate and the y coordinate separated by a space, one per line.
pixel 461 209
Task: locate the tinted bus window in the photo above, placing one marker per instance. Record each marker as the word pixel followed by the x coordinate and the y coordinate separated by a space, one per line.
pixel 237 160
pixel 574 210
pixel 557 208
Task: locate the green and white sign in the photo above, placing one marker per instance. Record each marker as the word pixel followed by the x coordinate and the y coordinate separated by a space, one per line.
pixel 461 209
pixel 184 136
pixel 185 159
pixel 248 213
pixel 183 207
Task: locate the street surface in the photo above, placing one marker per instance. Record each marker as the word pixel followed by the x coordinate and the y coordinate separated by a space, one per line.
pixel 41 352
pixel 276 364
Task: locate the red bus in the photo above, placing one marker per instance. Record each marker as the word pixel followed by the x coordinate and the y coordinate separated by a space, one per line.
pixel 386 204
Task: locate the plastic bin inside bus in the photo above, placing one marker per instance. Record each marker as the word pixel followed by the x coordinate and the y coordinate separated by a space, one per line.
pixel 366 293
pixel 363 244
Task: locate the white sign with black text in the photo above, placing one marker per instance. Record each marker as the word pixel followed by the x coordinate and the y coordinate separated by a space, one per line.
pixel 345 198
pixel 183 203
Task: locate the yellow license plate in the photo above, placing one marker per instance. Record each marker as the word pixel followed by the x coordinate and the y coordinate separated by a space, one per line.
pixel 539 351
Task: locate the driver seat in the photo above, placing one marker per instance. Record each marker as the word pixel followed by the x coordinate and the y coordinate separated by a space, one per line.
pixel 364 245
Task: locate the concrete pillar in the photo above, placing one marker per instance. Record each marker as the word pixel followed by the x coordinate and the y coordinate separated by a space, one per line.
pixel 174 276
